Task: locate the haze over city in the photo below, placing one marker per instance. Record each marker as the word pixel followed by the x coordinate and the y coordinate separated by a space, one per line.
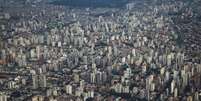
pixel 100 50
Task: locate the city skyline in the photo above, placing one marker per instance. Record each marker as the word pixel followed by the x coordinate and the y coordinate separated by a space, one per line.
pixel 105 50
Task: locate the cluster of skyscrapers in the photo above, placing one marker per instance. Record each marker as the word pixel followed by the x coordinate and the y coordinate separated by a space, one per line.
pixel 56 53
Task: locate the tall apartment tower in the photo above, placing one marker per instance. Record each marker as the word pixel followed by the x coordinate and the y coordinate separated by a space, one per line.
pixel 39 81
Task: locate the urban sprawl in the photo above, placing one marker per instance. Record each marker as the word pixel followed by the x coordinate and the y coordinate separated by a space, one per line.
pixel 148 50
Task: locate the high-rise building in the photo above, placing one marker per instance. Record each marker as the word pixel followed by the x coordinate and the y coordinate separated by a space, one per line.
pixel 3 97
pixel 42 81
pixel 35 81
pixel 39 81
pixel 69 89
pixel 175 92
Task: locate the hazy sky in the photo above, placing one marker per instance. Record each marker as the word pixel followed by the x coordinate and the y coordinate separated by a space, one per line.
pixel 92 3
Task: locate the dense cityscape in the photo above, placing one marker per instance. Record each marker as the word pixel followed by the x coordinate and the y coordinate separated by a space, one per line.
pixel 100 50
